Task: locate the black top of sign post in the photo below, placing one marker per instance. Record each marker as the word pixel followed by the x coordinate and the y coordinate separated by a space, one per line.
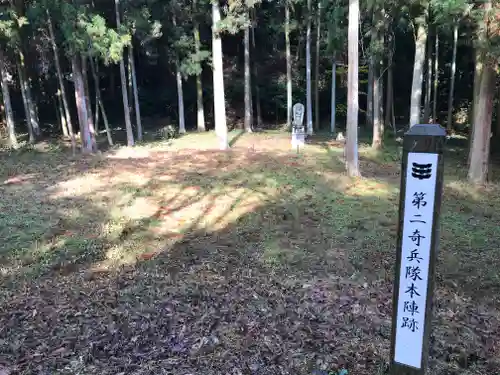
pixel 425 138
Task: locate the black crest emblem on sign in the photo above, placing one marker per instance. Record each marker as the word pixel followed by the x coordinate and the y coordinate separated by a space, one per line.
pixel 421 171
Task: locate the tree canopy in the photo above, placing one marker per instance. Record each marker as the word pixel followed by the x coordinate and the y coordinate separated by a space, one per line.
pixel 157 42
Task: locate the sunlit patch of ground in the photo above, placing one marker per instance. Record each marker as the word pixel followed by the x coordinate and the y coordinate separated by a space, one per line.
pixel 175 257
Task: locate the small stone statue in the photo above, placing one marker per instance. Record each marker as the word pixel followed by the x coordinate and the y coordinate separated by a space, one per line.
pixel 298 130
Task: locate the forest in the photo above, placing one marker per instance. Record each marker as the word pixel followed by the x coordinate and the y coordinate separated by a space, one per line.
pixel 201 65
pixel 155 219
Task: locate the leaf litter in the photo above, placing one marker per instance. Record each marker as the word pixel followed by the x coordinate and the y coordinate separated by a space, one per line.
pixel 209 303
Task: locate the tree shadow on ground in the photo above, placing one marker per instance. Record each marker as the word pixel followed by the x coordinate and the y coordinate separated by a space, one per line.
pixel 249 262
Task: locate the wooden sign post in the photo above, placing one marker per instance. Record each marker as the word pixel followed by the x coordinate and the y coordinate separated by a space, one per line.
pixel 418 236
pixel 298 130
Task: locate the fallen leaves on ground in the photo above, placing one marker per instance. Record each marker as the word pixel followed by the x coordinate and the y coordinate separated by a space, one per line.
pixel 294 282
pixel 167 317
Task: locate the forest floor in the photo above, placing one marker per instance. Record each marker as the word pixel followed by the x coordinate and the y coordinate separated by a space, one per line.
pixel 182 259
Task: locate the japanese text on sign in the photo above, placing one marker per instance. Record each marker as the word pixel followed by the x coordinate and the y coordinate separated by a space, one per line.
pixel 415 256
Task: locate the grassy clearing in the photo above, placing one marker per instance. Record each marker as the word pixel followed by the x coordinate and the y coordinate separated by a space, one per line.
pixel 182 259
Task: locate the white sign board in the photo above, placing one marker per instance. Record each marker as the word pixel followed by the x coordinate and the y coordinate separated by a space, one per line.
pixel 416 250
pixel 298 130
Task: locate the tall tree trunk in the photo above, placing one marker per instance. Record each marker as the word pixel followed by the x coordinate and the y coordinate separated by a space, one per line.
pixel 35 123
pixel 60 112
pixel 199 88
pixel 135 89
pixel 428 82
pixel 316 70
pixel 480 142
pixel 478 70
pixel 449 123
pixel 180 100
pixel 57 107
pixel 333 109
pixel 436 78
pixel 497 133
pixel 129 85
pixel 256 81
pixel 22 84
pixel 9 113
pixel 251 101
pixel 289 97
pixel 180 92
pixel 393 116
pixel 378 125
pixel 199 101
pixel 31 114
pixel 369 94
pixel 218 77
pixel 60 79
pixel 94 69
pixel 378 64
pixel 299 49
pixel 19 7
pixel 418 70
pixel 128 122
pixel 377 136
pixel 484 87
pixel 389 102
pixel 351 146
pixel 99 101
pixel 81 105
pixel 308 70
pixel 248 84
pixel 88 104
pixel 79 100
pixel 381 96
